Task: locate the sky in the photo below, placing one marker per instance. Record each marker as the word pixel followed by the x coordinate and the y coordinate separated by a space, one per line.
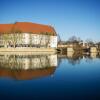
pixel 79 18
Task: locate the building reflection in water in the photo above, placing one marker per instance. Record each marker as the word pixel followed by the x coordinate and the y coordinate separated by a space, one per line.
pixel 23 67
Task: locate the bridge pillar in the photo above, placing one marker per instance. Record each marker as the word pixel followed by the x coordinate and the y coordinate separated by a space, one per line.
pixel 93 49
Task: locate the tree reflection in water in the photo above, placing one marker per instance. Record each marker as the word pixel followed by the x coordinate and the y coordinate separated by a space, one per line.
pixel 76 57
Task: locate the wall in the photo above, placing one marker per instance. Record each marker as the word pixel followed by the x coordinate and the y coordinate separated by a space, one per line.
pixel 53 41
pixel 29 39
pixel 41 40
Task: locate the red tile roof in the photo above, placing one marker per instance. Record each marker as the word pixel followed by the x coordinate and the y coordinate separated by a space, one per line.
pixel 27 27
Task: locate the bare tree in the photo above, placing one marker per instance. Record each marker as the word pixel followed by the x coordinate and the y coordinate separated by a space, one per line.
pixel 30 37
pixel 5 38
pixel 15 37
pixel 72 39
pixel 41 40
pixel 90 42
pixel 47 39
pixel 59 39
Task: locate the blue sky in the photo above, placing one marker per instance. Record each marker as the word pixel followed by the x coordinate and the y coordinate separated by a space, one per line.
pixel 69 17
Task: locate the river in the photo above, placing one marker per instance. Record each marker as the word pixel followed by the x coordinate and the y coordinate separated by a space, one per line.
pixel 51 76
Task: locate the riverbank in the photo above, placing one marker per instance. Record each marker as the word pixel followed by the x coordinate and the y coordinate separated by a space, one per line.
pixel 26 50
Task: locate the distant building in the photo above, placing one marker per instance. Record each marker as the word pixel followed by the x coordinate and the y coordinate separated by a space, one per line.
pixel 27 34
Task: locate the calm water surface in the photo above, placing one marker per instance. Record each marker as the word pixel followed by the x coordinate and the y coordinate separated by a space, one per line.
pixel 44 77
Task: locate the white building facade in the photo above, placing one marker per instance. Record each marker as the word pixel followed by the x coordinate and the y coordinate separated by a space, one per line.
pixel 42 40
